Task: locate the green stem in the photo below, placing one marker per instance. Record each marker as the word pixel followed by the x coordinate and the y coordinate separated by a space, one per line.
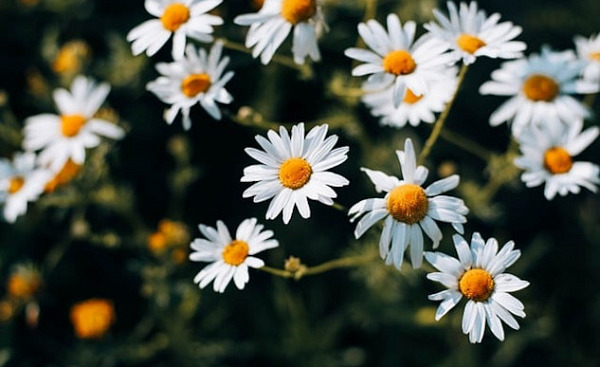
pixel 467 144
pixel 439 124
pixel 343 262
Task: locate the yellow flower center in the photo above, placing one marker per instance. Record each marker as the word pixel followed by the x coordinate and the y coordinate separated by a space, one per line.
pixel 469 43
pixel 92 318
pixel 66 174
pixel 407 203
pixel 71 124
pixel 476 285
pixel 194 84
pixel 297 11
pixel 595 56
pixel 399 62
pixel 557 160
pixel 411 98
pixel 23 286
pixel 235 253
pixel 294 173
pixel 539 87
pixel 174 16
pixel 16 183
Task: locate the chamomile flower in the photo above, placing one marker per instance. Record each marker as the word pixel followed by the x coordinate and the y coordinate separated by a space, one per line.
pixel 413 109
pixel 470 33
pixel 541 88
pixel 588 49
pixel 196 78
pixel 20 181
pixel 408 210
pixel 294 169
pixel 230 257
pixel 548 152
pixel 396 60
pixel 478 275
pixel 65 136
pixel 274 22
pixel 180 18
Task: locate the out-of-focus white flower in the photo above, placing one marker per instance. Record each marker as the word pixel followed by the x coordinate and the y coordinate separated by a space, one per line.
pixel 181 18
pixel 588 49
pixel 195 78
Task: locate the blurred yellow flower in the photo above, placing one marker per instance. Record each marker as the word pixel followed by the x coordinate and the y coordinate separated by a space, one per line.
pixel 169 235
pixel 71 57
pixel 64 176
pixel 92 318
pixel 24 282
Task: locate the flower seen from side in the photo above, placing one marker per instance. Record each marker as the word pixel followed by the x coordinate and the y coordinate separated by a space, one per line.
pixel 21 181
pixel 548 153
pixel 271 25
pixel 92 318
pixel 470 33
pixel 408 209
pixel 413 109
pixel 24 281
pixel 196 78
pixel 65 136
pixel 230 257
pixel 478 275
pixel 396 59
pixel 180 18
pixel 294 169
pixel 66 174
pixel 540 88
pixel 588 50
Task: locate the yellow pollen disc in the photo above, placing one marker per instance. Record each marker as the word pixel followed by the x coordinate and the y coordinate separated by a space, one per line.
pixel 407 203
pixel 235 253
pixel 595 56
pixel 16 184
pixel 174 16
pixel 297 11
pixel 294 173
pixel 476 285
pixel 92 318
pixel 411 98
pixel 194 84
pixel 469 43
pixel 539 87
pixel 557 160
pixel 23 286
pixel 66 174
pixel 399 62
pixel 71 124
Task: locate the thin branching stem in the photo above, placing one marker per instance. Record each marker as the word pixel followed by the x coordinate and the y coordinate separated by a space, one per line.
pixel 344 262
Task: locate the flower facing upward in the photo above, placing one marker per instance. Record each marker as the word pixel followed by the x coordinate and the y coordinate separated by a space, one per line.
pixel 92 318
pixel 230 258
pixel 396 60
pixel 470 33
pixel 20 181
pixel 408 209
pixel 65 136
pixel 196 78
pixel 182 18
pixel 478 275
pixel 294 169
pixel 588 50
pixel 540 87
pixel 548 157
pixel 274 22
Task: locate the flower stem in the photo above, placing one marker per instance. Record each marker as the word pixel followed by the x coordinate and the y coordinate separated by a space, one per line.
pixel 467 144
pixel 344 262
pixel 439 124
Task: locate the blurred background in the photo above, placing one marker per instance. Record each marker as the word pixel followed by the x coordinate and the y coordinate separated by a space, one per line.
pixel 115 238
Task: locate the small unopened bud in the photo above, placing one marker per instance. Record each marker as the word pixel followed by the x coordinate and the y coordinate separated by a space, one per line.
pixel 295 266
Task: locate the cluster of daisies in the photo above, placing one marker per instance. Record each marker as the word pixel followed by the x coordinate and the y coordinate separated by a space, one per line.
pixel 54 145
pixel 409 80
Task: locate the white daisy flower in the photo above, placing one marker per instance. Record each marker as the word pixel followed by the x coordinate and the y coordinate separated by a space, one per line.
pixel 478 275
pixel 540 87
pixel 230 258
pixel 276 19
pixel 548 152
pixel 413 109
pixel 65 136
pixel 20 181
pixel 408 209
pixel 470 33
pixel 396 60
pixel 294 169
pixel 182 18
pixel 196 78
pixel 588 49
